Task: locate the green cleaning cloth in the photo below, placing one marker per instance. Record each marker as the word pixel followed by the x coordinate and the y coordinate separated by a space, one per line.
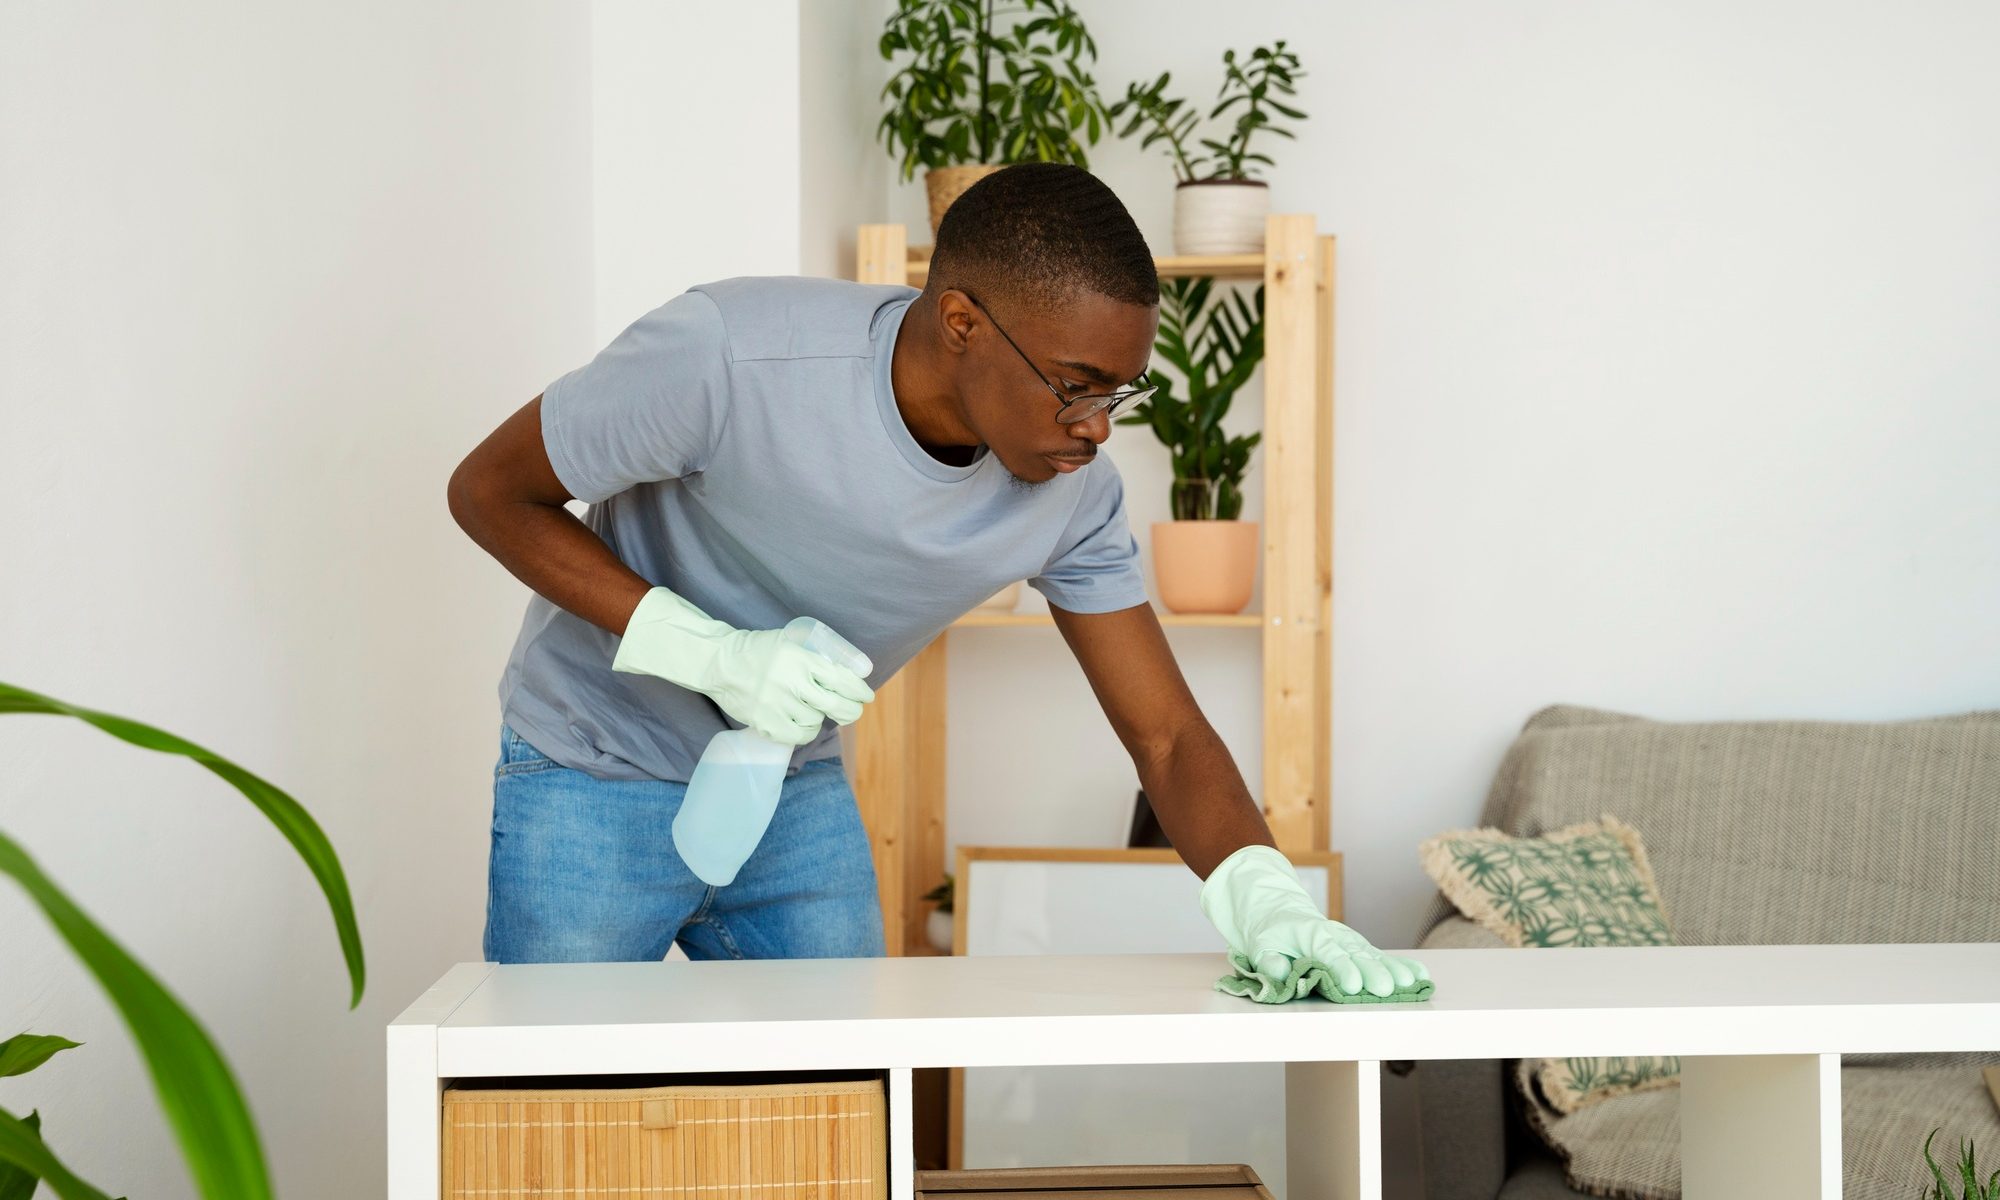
pixel 1306 977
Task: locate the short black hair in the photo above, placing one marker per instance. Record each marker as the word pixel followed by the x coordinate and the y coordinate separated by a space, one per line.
pixel 1039 233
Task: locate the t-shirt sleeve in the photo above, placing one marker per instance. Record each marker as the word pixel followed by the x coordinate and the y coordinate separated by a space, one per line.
pixel 650 406
pixel 1095 566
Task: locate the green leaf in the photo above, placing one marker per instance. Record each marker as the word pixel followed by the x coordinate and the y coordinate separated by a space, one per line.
pixel 1214 340
pixel 24 1052
pixel 16 1182
pixel 196 1090
pixel 26 1160
pixel 286 813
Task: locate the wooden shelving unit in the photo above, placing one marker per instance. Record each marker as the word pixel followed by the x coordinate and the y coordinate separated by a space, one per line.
pixel 1037 620
pixel 899 766
pixel 1222 266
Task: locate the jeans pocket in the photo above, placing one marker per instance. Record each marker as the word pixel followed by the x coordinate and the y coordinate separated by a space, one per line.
pixel 518 757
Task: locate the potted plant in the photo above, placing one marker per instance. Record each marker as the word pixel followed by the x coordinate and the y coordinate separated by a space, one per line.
pixel 971 98
pixel 938 926
pixel 1219 204
pixel 1205 559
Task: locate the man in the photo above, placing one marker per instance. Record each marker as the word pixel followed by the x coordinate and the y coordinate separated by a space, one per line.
pixel 883 460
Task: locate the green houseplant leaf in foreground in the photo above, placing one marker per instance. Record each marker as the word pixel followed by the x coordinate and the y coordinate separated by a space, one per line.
pixel 195 1087
pixel 196 1090
pixel 286 813
pixel 21 1142
pixel 24 1052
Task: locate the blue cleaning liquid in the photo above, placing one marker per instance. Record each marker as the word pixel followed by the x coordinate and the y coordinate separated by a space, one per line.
pixel 735 787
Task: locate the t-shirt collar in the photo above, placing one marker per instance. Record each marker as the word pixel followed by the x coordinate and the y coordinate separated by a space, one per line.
pixel 888 320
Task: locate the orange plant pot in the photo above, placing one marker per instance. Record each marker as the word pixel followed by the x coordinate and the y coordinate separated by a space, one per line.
pixel 1205 566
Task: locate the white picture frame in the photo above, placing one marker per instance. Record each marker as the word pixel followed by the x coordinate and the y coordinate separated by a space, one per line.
pixel 1010 900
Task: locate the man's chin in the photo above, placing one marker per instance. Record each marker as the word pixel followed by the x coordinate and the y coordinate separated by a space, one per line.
pixel 1031 474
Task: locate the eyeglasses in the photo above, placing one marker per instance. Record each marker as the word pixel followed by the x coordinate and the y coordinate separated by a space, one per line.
pixel 1074 408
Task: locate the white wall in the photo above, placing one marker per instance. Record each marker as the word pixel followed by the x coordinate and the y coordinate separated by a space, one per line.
pixel 695 115
pixel 841 182
pixel 266 273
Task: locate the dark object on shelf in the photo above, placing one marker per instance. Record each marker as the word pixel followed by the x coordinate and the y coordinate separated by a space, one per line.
pixel 1146 831
pixel 1217 1182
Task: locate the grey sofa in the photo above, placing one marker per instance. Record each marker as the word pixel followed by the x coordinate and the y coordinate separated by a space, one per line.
pixel 1759 833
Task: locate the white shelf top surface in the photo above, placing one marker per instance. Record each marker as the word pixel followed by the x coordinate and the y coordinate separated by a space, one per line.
pixel 924 1012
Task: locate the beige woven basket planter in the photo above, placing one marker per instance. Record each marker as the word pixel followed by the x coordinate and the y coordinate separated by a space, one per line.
pixel 945 184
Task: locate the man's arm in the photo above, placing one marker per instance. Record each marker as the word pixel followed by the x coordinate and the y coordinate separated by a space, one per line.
pixel 1253 896
pixel 506 497
pixel 1190 780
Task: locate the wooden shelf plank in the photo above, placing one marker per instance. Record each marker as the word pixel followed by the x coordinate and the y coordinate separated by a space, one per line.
pixel 1038 620
pixel 1222 266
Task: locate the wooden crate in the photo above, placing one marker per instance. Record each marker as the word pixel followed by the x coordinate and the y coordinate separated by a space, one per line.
pixel 815 1139
pixel 1232 1181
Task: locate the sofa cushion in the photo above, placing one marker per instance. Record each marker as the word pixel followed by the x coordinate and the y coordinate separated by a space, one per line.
pixel 1582 885
pixel 1779 832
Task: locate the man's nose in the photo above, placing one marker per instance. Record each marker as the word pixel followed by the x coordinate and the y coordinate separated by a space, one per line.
pixel 1093 428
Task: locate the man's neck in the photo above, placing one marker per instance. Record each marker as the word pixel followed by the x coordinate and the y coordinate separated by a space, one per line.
pixel 924 396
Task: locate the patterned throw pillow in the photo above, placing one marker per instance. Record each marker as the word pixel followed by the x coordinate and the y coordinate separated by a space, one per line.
pixel 1584 885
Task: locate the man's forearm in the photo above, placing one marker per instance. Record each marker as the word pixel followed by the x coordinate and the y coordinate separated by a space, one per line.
pixel 547 548
pixel 1201 799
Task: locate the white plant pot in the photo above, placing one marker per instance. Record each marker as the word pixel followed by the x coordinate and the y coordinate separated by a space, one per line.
pixel 937 931
pixel 1002 601
pixel 1220 216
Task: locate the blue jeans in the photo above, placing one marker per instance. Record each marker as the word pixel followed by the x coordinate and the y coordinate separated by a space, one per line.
pixel 583 869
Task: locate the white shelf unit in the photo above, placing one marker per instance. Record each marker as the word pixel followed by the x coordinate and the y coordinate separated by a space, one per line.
pixel 1760 1031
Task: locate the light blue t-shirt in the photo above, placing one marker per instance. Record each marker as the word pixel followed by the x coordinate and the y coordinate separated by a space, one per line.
pixel 741 445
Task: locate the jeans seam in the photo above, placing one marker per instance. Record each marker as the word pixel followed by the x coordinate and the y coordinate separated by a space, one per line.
pixel 525 766
pixel 722 933
pixel 701 910
pixel 518 755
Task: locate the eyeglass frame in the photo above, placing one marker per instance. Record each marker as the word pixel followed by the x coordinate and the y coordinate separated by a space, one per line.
pixel 1113 401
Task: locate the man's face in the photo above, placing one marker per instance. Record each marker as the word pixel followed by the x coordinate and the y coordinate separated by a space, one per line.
pixel 1091 345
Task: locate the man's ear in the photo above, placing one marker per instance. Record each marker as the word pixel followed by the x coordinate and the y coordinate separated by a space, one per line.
pixel 956 317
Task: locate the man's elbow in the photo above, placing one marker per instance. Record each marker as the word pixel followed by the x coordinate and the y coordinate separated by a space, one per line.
pixel 1158 746
pixel 463 495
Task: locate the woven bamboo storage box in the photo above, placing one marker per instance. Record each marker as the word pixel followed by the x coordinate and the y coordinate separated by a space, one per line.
pixel 1232 1181
pixel 807 1138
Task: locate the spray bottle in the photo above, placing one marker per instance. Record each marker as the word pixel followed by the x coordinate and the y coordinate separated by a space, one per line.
pixel 736 784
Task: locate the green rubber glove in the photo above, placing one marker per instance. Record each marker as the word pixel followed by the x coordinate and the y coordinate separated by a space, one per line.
pixel 774 686
pixel 1255 899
